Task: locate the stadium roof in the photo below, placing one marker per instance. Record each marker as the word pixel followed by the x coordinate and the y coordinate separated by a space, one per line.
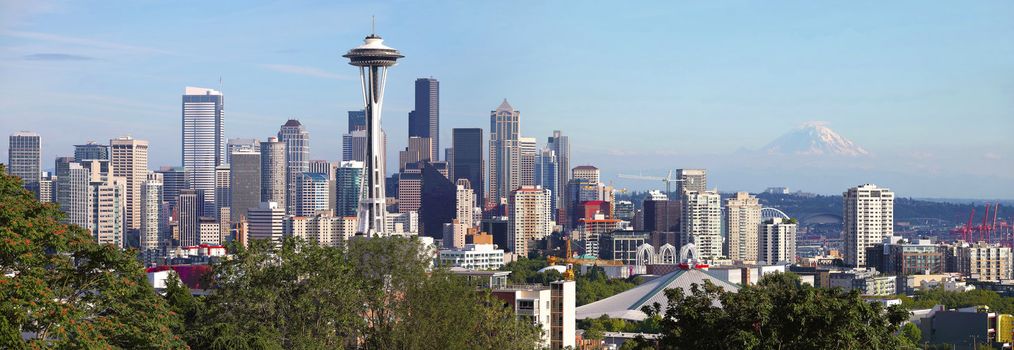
pixel 627 305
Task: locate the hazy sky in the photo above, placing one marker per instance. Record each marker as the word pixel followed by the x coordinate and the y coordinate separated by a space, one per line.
pixel 926 87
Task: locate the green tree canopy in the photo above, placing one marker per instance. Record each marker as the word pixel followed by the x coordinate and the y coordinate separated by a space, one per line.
pixel 777 313
pixel 61 289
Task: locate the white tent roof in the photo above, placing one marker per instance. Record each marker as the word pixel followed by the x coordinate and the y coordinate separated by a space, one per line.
pixel 627 305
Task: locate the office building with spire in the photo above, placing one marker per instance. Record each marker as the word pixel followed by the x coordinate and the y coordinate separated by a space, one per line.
pixel 504 153
pixel 297 158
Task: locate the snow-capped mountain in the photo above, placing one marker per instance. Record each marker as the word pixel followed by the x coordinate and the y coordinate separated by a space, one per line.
pixel 814 139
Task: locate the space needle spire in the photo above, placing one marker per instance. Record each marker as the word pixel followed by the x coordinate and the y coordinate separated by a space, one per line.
pixel 373 58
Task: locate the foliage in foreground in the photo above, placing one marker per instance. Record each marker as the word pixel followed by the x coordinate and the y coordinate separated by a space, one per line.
pixel 777 313
pixel 376 294
pixel 951 300
pixel 591 286
pixel 64 290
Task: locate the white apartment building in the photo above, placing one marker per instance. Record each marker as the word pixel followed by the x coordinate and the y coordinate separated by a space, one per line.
pixel 742 226
pixel 777 242
pixel 530 217
pixel 473 257
pixel 984 262
pixel 701 222
pixel 868 216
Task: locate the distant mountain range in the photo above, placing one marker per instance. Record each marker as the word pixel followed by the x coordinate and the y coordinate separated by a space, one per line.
pixel 814 139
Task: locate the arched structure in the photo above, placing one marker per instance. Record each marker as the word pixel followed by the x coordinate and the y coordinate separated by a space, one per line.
pixel 667 254
pixel 770 213
pixel 645 255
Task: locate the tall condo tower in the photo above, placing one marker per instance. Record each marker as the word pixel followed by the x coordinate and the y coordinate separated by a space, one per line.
pixel 373 58
pixel 297 155
pixel 203 141
pixel 504 153
pixel 24 160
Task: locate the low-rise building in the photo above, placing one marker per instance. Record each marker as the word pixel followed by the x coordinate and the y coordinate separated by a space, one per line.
pixel 473 256
pixel 551 307
pixel 984 262
pixel 866 281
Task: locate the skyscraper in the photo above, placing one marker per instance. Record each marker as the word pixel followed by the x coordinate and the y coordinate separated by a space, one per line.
pixel 245 183
pixel 560 145
pixel 467 162
pixel 73 195
pixel 273 165
pixel 128 159
pixel 529 218
pixel 91 151
pixel 313 194
pixel 240 144
pixel 424 121
pixel 297 150
pixel 868 215
pixel 437 199
pixel 742 226
pixel 373 58
pixel 702 222
pixel 546 173
pixel 661 214
pixel 189 209
pixel 349 180
pixel 223 193
pixel 266 222
pixel 174 179
pixel 108 203
pixel 504 152
pixel 419 150
pixel 203 140
pixel 150 237
pixel 357 120
pixel 692 180
pixel 24 159
pixel 528 154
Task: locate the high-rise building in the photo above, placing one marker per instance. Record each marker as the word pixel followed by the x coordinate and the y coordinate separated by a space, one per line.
pixel 777 242
pixel 437 199
pixel 266 222
pixel 203 141
pixel 984 262
pixel 410 188
pixel 108 203
pixel 424 121
pixel 466 160
pixel 73 192
pixel 24 159
pixel 530 218
pixel 354 145
pixel 209 231
pixel 373 59
pixel 240 145
pixel 129 159
pixel 61 165
pixel 504 153
pixel 150 237
pixel 546 173
pixel 297 151
pixel 624 210
pixel 868 215
pixel 322 229
pixel 560 145
pixel 313 194
pixel 189 210
pixel 691 180
pixel 528 155
pixel 349 180
pixel 245 184
pixel 464 203
pixel 47 188
pixel 174 179
pixel 418 150
pixel 589 173
pixel 223 192
pixel 357 120
pixel 701 222
pixel 742 226
pixel 661 214
pixel 273 165
pixel 91 151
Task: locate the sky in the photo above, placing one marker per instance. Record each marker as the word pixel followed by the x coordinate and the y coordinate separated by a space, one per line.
pixel 926 87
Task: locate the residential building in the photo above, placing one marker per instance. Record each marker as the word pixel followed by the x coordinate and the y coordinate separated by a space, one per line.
pixel 551 307
pixel 591 230
pixel 742 225
pixel 868 215
pixel 621 245
pixel 273 165
pixel 24 159
pixel 546 175
pixel 189 210
pixel 530 218
pixel 266 222
pixel 313 194
pixel 473 257
pixel 203 140
pixel 866 281
pixel 560 145
pixel 151 234
pixel 73 194
pixel 348 186
pixel 210 233
pixel 776 242
pixel 701 222
pixel 107 199
pixel 528 155
pixel 47 188
pixel 297 158
pixel 322 229
pixel 403 223
pixel 898 256
pixel 984 262
pixel 589 173
pixel 695 180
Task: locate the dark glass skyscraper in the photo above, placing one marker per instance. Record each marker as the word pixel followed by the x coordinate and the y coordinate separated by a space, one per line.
pixel 468 162
pixel 424 121
pixel 357 120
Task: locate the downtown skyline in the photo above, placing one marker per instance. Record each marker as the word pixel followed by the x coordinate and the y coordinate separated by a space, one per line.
pixel 930 115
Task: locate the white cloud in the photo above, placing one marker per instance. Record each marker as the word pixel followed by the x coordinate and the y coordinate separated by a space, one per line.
pixel 305 71
pixel 85 42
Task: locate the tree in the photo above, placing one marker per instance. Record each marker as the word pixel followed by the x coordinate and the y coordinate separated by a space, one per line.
pixel 777 313
pixel 62 289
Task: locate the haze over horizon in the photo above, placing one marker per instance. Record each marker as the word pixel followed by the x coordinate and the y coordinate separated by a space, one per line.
pixel 924 88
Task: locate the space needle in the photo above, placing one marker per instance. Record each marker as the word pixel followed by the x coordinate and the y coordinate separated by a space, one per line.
pixel 373 58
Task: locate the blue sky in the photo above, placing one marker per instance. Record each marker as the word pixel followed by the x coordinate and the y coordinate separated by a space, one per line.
pixel 927 87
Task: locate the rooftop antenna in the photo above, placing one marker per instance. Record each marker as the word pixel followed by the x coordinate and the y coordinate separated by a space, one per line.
pixel 373 25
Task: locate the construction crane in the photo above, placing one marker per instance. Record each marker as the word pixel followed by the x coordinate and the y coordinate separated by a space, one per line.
pixel 668 180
